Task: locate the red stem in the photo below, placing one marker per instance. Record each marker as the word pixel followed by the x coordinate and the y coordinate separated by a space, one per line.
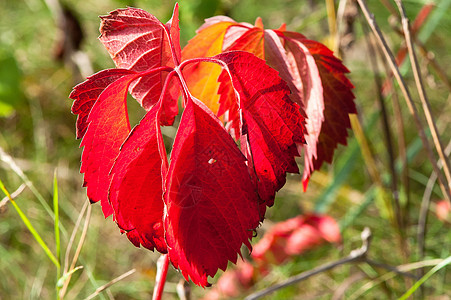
pixel 160 280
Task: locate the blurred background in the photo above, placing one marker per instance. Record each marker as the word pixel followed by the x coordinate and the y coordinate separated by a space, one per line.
pixel 38 41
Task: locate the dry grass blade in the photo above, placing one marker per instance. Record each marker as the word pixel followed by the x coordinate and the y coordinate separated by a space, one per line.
pixel 72 237
pixel 388 139
pixel 422 220
pixel 402 268
pixel 400 133
pixel 422 93
pixel 13 195
pixel 77 252
pixel 7 159
pixel 107 285
pixel 413 110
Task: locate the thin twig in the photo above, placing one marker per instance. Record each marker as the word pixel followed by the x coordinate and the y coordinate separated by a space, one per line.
pixel 355 255
pixel 429 56
pixel 399 134
pixel 422 93
pixel 390 268
pixel 410 104
pixel 107 285
pixel 339 21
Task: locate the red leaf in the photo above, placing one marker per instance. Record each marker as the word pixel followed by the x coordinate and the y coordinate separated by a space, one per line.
pixel 314 76
pixel 338 102
pixel 211 204
pixel 309 89
pixel 202 78
pixel 174 31
pixel 136 191
pixel 108 127
pixel 252 41
pixel 138 41
pixel 86 93
pixel 271 122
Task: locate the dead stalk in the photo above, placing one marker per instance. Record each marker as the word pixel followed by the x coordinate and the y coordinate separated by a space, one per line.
pixel 107 285
pixel 422 93
pixel 422 220
pixel 410 104
pixel 77 251
pixel 388 138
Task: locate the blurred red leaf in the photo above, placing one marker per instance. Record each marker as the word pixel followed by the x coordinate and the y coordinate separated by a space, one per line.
pixel 282 241
pixel 233 282
pixel 295 236
pixel 443 210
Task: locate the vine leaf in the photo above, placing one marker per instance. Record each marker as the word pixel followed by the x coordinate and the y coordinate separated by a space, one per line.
pixel 242 126
pixel 314 75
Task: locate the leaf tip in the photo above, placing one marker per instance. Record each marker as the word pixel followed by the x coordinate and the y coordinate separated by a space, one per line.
pixel 305 184
pixel 282 27
pixel 259 23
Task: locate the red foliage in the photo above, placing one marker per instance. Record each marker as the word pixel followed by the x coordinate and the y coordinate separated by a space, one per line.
pixel 206 203
pixel 313 74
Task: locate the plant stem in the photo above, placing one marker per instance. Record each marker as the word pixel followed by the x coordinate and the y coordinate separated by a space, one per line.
pixel 160 280
pixel 331 19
